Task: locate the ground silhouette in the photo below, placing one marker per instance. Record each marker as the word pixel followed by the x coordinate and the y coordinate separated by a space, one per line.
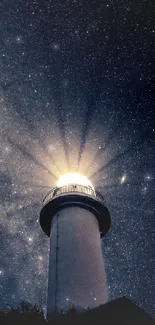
pixel 121 311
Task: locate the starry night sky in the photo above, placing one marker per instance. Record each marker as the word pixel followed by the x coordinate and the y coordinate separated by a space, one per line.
pixel 77 93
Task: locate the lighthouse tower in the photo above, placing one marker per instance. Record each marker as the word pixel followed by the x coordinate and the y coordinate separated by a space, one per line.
pixel 75 218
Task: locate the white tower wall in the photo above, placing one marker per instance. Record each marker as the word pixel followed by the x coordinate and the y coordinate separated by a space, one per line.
pixel 76 267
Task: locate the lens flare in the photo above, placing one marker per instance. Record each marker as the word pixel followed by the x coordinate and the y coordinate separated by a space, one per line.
pixel 74 178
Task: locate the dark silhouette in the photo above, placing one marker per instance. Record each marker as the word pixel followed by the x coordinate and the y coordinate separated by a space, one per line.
pixel 24 314
pixel 121 311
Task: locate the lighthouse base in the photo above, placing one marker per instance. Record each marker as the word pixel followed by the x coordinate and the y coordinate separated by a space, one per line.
pixel 76 267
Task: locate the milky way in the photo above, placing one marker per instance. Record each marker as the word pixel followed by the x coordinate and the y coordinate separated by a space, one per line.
pixel 77 94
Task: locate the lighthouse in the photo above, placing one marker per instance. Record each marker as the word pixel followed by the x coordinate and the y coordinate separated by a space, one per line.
pixel 75 218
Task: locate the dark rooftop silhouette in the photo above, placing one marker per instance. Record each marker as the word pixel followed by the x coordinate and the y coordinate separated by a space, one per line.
pixel 121 311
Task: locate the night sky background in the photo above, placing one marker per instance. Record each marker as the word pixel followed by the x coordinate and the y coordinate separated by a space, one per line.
pixel 77 93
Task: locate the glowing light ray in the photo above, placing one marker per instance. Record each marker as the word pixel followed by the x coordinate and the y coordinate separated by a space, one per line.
pixel 135 144
pixel 25 152
pixel 91 104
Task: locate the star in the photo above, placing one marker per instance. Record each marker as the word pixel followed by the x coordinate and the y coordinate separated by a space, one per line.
pixel 19 39
pixel 55 47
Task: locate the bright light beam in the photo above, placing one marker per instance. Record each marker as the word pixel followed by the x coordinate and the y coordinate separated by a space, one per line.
pixel 74 178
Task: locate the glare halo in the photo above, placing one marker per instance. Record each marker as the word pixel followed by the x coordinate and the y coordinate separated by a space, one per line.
pixel 74 178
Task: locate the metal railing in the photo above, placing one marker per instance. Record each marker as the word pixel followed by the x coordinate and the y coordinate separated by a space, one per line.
pixel 87 190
